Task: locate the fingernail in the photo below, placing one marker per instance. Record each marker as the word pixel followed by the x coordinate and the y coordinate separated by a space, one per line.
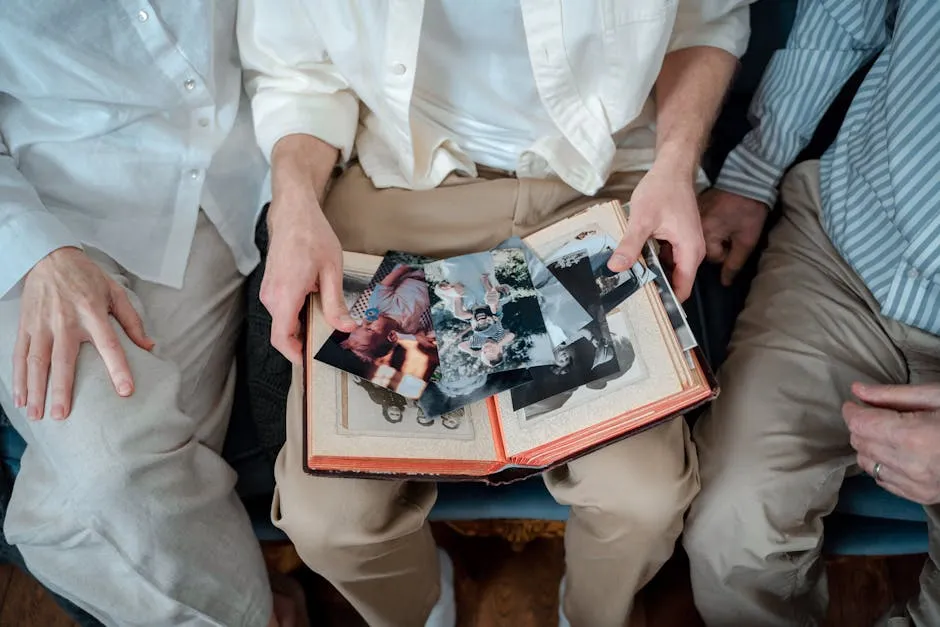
pixel 124 388
pixel 33 413
pixel 58 412
pixel 617 261
pixel 18 401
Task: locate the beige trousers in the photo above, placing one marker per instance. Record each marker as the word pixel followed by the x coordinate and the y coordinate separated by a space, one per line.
pixel 774 449
pixel 126 508
pixel 370 538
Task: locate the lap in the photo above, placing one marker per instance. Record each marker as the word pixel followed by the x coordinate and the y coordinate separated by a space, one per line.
pixel 178 386
pixel 809 329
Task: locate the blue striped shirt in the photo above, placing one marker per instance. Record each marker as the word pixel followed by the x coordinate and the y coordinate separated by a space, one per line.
pixel 880 179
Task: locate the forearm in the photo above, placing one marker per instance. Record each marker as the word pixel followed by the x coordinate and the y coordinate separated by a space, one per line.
pixel 301 167
pixel 689 92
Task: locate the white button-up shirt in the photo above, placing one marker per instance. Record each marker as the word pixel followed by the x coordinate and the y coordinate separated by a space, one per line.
pixel 343 71
pixel 118 121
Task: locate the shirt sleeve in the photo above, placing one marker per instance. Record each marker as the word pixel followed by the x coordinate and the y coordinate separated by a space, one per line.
pixel 830 40
pixel 724 24
pixel 293 85
pixel 28 232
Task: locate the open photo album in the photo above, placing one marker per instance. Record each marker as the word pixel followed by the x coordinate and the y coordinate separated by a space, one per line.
pixel 499 364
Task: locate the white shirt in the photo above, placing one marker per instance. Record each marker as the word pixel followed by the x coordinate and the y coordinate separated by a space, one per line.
pixel 344 71
pixel 475 85
pixel 118 120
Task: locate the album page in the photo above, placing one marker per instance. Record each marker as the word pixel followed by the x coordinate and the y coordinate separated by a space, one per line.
pixel 647 374
pixel 350 417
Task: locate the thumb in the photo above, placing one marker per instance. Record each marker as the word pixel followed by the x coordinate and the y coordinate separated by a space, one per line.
pixel 629 248
pixel 331 300
pixel 734 261
pixel 124 312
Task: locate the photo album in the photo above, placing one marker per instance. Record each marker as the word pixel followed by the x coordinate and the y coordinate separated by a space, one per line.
pixel 499 364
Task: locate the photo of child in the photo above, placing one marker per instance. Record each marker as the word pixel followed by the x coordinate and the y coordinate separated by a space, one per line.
pixel 486 315
pixel 394 345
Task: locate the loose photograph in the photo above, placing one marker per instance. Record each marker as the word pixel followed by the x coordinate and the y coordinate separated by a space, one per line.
pixel 486 315
pixel 614 287
pixel 394 345
pixel 674 310
pixel 630 370
pixel 367 409
pixel 564 316
pixel 441 398
pixel 586 357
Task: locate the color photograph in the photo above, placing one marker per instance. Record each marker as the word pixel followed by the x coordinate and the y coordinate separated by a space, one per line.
pixel 393 345
pixel 486 316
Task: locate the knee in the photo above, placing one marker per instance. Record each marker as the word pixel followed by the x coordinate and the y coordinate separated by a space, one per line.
pixel 653 508
pixel 334 528
pixel 729 524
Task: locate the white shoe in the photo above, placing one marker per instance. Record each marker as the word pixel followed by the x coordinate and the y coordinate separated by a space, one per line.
pixel 444 612
pixel 562 619
pixel 895 617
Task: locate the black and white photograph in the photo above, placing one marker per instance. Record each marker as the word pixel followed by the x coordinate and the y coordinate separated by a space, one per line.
pixel 631 370
pixel 393 345
pixel 615 287
pixel 563 314
pixel 586 357
pixel 442 398
pixel 674 310
pixel 486 315
pixel 371 410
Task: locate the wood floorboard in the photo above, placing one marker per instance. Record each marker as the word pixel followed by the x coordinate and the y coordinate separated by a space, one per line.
pixel 6 575
pixel 497 586
pixel 27 604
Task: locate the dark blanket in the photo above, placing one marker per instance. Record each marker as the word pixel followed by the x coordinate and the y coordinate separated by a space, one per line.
pixel 264 374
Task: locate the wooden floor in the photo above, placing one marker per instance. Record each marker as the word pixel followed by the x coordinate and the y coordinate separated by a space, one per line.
pixel 500 587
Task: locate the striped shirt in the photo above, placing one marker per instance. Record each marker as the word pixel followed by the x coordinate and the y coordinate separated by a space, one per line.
pixel 880 179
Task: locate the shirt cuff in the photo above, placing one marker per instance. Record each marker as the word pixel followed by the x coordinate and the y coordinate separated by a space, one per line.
pixel 25 239
pixel 747 174
pixel 332 118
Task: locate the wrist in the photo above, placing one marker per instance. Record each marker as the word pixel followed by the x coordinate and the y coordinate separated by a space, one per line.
pixel 680 160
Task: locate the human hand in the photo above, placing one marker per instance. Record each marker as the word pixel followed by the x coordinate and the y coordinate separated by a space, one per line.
pixel 304 256
pixel 900 430
pixel 68 300
pixel 663 206
pixel 732 225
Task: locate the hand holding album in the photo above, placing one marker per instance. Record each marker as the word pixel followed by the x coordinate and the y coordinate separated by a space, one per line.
pixel 500 363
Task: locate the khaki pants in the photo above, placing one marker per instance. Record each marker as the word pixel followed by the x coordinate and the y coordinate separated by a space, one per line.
pixel 126 508
pixel 774 448
pixel 370 538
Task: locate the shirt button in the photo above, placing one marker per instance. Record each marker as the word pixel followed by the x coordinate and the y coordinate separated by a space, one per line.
pixel 913 273
pixel 194 174
pixel 189 84
pixel 399 69
pixel 203 122
pixel 142 16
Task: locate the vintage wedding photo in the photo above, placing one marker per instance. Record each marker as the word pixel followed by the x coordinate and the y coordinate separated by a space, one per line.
pixel 367 409
pixel 630 370
pixel 394 344
pixel 586 356
pixel 486 315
